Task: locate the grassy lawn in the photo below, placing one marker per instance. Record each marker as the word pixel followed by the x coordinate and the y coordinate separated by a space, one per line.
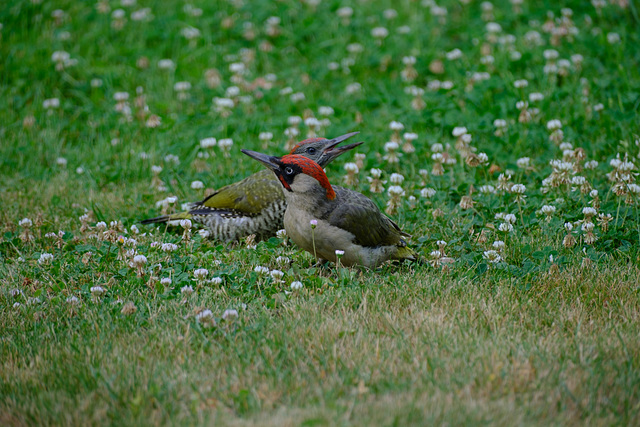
pixel 511 129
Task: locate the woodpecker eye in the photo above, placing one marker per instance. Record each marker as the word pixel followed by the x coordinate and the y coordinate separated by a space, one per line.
pixel 311 150
pixel 288 170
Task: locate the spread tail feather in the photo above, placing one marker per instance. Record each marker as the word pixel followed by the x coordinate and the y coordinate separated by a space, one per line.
pixel 166 218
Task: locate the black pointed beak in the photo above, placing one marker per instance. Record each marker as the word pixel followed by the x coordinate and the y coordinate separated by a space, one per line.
pixel 271 162
pixel 334 151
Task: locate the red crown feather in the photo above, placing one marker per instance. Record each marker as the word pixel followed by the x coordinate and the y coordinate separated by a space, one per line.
pixel 311 168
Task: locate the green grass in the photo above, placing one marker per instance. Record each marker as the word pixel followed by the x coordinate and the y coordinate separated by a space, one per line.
pixel 545 335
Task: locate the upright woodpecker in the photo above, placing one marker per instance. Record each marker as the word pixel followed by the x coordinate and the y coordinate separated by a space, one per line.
pixel 322 219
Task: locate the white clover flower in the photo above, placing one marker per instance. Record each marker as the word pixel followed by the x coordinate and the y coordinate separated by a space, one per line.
pixel 427 193
pixel 205 318
pixel 296 286
pixel 550 54
pixel 568 226
pixel 409 60
pixel 498 245
pixel 344 12
pixel 396 190
pixel 578 180
pixel 168 247
pixel 554 124
pixel 261 270
pixel 376 173
pixel 505 227
pixel 265 136
pixel 139 260
pixel 121 96
pixel 294 120
pixel 390 14
pixel 391 146
pixel 633 188
pixel 190 33
pixel 588 211
pixel 239 67
pixel 613 38
pixel 493 27
pixel 593 194
pixel 351 167
pixel 500 123
pixel 215 281
pixel 352 48
pixel 45 259
pixel 25 223
pixel 459 131
pixel 587 227
pixel 156 169
pixel 223 103
pixel 186 290
pixel 197 185
pixel 487 188
pixel 200 274
pixel 230 315
pixel 61 161
pixel 208 142
pixel 225 144
pixel 313 223
pixel 454 54
pixel 297 97
pixel 353 88
pixel 73 300
pixel 165 281
pixel 51 103
pixel 410 136
pixel 510 218
pixel 181 86
pixel 379 32
pixel 519 84
pixel 396 126
pixel 186 224
pixel 523 162
pixel 492 256
pixel 536 96
pixel 548 209
pixel 97 291
pixel 518 188
pixel 396 179
pixel 283 260
pixel 339 253
pixel 276 274
pixel 437 148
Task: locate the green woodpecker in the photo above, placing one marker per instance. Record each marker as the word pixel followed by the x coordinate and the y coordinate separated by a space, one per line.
pixel 256 204
pixel 322 219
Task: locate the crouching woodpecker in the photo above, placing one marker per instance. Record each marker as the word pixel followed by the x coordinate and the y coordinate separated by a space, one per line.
pixel 256 204
pixel 321 218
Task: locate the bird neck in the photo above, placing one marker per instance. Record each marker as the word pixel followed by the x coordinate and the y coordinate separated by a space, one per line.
pixel 309 194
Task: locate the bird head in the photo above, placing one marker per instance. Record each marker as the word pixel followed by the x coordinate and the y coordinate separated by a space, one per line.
pixel 289 168
pixel 322 150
